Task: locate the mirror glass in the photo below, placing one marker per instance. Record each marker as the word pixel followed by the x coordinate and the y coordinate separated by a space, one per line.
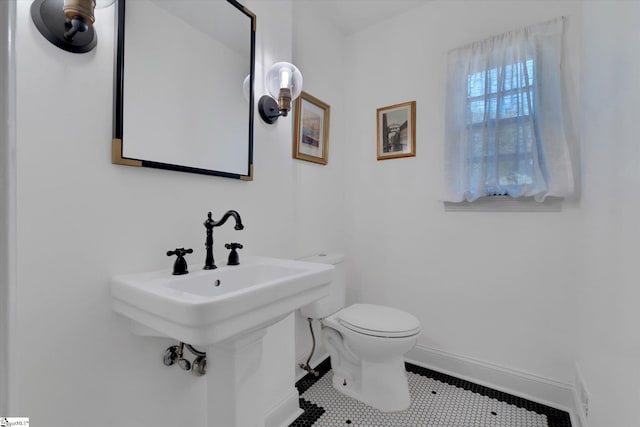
pixel 180 103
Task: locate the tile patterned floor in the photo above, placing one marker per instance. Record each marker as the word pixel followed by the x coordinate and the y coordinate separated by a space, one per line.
pixel 438 400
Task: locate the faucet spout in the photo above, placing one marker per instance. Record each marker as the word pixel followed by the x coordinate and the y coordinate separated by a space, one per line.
pixel 228 214
pixel 209 224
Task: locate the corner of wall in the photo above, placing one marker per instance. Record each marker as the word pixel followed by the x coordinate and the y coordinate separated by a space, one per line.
pixel 7 201
pixel 580 396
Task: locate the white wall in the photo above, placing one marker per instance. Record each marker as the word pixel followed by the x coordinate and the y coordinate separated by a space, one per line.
pixel 468 276
pixel 319 54
pixel 7 194
pixel 465 275
pixel 82 220
pixel 609 350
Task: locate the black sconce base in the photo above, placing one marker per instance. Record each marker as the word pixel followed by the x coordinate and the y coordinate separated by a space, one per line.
pixel 268 109
pixel 49 18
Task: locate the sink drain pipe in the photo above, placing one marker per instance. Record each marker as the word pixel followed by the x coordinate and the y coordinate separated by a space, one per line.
pixel 174 354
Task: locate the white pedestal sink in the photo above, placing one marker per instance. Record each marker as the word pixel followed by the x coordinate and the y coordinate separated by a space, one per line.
pixel 225 311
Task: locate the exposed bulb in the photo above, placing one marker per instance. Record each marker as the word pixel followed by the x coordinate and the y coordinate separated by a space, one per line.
pixel 246 87
pixel 285 78
pixel 104 3
pixel 283 75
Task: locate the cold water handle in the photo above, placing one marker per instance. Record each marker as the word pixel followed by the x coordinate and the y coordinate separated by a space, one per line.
pixel 234 259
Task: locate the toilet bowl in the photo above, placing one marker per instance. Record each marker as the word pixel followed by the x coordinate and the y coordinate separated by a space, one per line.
pixel 366 343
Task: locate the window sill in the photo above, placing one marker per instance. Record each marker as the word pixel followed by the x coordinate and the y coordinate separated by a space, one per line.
pixel 506 204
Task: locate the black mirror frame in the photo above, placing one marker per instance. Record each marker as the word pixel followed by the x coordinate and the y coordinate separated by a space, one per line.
pixel 117 141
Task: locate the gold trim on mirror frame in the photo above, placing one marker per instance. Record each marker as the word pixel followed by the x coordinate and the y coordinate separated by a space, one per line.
pixel 253 17
pixel 248 177
pixel 116 155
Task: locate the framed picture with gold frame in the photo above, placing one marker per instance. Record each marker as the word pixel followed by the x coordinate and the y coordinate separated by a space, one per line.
pixel 397 131
pixel 311 129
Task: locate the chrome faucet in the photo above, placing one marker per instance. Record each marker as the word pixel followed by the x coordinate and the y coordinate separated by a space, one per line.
pixel 209 224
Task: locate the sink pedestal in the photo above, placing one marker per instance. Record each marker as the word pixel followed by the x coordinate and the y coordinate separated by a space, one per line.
pixel 226 311
pixel 234 382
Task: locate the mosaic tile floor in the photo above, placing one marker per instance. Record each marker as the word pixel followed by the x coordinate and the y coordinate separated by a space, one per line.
pixel 438 400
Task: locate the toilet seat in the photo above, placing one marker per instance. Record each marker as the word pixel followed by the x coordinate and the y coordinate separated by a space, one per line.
pixel 379 321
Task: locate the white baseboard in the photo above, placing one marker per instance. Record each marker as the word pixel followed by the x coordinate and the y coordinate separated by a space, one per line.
pixel 539 389
pixel 285 412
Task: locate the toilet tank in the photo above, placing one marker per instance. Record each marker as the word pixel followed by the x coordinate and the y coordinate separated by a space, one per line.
pixel 337 289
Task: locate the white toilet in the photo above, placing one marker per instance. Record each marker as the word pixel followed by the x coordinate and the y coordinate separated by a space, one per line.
pixel 366 342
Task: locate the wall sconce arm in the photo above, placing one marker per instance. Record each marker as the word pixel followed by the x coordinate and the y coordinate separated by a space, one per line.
pixel 68 24
pixel 269 110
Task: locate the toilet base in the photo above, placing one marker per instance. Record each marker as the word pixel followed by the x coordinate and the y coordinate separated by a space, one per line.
pixel 383 386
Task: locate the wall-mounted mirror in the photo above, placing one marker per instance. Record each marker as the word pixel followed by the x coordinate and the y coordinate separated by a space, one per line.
pixel 179 99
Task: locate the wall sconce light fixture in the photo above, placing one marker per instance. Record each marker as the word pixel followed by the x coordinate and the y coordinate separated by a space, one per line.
pixel 68 24
pixel 284 82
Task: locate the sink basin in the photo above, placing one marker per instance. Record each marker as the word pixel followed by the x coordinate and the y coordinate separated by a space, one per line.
pixel 206 307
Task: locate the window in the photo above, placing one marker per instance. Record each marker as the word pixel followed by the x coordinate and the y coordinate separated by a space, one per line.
pixel 511 147
pixel 504 130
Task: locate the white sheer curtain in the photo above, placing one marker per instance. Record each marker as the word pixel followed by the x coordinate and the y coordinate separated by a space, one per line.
pixel 504 117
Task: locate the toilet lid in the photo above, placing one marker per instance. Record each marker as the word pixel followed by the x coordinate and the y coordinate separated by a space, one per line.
pixel 379 321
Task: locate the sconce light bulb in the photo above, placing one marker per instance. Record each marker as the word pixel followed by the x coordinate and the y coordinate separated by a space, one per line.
pixel 284 82
pixel 100 4
pixel 285 78
pixel 246 87
pixel 283 75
